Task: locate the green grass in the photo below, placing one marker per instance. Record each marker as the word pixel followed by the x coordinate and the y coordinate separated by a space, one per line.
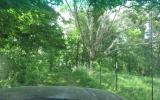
pixel 131 87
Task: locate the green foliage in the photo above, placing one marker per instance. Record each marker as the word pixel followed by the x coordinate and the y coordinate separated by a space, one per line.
pixel 82 78
pixel 102 4
pixel 134 32
pixel 25 39
pixel 78 77
pixel 28 4
pixel 37 49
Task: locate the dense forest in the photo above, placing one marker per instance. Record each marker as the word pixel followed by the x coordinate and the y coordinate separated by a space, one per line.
pixel 107 44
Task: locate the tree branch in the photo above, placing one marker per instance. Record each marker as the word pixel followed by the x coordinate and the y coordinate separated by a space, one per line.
pixel 100 32
pixel 69 6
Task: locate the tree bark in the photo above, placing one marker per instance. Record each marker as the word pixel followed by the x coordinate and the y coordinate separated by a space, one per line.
pixel 51 60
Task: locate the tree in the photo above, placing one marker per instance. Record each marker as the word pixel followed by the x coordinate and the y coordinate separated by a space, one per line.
pixel 91 20
pixel 30 36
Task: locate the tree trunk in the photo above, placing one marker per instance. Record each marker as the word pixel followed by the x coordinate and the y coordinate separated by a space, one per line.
pixel 51 60
pixel 77 55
